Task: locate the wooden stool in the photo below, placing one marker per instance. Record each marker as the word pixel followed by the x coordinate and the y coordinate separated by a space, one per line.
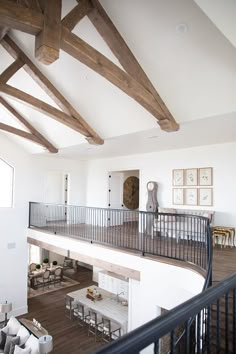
pixel 227 234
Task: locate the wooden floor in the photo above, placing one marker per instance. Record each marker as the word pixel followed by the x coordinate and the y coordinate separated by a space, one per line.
pixel 69 338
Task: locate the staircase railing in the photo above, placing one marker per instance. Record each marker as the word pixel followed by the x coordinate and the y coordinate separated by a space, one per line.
pixel 209 320
pixel 183 237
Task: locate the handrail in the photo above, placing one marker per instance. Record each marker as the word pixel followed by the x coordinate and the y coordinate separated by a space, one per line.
pixel 152 331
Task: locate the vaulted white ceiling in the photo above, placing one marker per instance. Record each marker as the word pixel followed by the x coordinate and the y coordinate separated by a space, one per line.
pixel 188 57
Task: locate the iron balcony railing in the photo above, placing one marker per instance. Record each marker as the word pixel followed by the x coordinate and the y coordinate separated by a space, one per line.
pixel 183 237
pixel 204 324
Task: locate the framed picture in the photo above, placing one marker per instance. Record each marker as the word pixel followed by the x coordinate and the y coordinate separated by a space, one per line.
pixel 178 196
pixel 178 177
pixel 205 176
pixel 191 177
pixel 206 196
pixel 190 197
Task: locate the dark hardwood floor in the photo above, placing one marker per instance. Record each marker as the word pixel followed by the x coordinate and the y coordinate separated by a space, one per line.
pixel 68 336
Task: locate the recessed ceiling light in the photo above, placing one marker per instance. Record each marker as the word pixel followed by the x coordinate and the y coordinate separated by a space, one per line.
pixel 182 28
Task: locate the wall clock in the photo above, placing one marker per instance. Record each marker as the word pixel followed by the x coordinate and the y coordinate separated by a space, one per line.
pixel 131 193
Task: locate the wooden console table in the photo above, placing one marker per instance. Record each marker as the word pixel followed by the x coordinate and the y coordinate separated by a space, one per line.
pixel 31 327
pixel 227 234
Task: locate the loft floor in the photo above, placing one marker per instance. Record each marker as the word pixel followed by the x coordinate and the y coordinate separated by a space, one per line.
pixel 69 338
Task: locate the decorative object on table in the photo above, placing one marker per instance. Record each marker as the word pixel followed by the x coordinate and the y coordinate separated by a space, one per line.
pixel 93 295
pixel 38 266
pixel 178 196
pixel 205 176
pixel 190 196
pixel 131 193
pixel 45 344
pixel 205 196
pixel 45 263
pixel 54 263
pixel 178 177
pixel 6 308
pixel 191 177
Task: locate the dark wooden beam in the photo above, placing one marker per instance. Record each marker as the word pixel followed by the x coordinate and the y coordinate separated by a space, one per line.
pixel 20 133
pixel 3 32
pixel 41 106
pixel 20 18
pixel 86 54
pixel 76 14
pixel 120 49
pixel 47 42
pixel 10 71
pixel 13 49
pixel 34 132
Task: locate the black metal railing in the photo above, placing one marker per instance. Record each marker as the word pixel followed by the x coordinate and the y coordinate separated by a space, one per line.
pixel 207 323
pixel 177 236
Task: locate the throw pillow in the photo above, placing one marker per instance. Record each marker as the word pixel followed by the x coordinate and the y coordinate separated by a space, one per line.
pixel 11 339
pixel 13 325
pixel 24 334
pixel 19 350
pixel 3 337
pixel 32 343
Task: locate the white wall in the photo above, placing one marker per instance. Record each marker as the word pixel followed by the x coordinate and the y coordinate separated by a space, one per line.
pixel 158 167
pixel 13 222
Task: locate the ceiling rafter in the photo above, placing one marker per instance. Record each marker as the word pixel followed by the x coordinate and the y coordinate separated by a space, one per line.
pixel 47 42
pixel 89 56
pixel 143 92
pixel 11 70
pixel 34 136
pixel 14 50
pixel 76 14
pixel 41 106
pixel 120 49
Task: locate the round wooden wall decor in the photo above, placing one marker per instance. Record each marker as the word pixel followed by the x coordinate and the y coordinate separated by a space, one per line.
pixel 131 193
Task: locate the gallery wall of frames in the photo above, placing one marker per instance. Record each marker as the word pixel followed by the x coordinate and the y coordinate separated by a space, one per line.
pixel 192 186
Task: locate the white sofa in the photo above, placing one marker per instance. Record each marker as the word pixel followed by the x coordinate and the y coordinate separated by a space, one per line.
pixel 16 339
pixel 179 224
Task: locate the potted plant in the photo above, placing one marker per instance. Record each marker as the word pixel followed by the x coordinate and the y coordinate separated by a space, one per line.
pixel 45 263
pixel 38 266
pixel 54 263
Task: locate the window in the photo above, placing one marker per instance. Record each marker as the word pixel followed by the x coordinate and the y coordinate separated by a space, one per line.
pixel 6 184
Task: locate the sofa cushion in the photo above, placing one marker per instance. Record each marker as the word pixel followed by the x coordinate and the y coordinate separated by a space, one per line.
pixel 3 337
pixel 10 340
pixel 19 350
pixel 33 344
pixel 13 325
pixel 24 334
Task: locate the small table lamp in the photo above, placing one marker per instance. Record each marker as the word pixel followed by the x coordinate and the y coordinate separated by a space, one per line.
pixel 45 344
pixel 6 308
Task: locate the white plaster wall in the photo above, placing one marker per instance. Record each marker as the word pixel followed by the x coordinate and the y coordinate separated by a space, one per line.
pixel 158 167
pixel 157 280
pixel 13 222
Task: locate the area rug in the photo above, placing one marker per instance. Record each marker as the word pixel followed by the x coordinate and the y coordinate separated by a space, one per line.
pixel 66 283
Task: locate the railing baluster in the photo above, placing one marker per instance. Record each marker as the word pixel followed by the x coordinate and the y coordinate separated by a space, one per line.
pixel 234 320
pixel 218 322
pixel 226 322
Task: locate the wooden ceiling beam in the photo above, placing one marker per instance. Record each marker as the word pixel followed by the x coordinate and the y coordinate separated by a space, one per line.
pixel 76 14
pixel 120 49
pixel 42 107
pixel 46 85
pixel 34 131
pixel 20 18
pixel 3 32
pixel 20 133
pixel 47 42
pixel 86 54
pixel 10 71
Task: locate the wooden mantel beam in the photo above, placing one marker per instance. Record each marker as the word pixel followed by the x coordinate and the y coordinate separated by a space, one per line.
pixel 40 138
pixel 13 49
